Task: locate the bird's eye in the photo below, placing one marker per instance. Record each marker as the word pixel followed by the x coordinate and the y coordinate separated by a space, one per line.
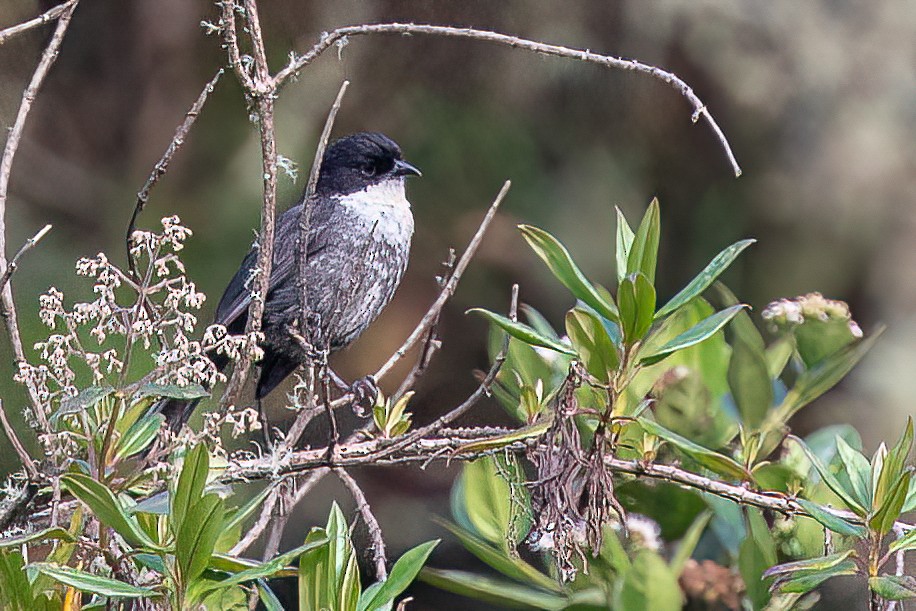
pixel 369 170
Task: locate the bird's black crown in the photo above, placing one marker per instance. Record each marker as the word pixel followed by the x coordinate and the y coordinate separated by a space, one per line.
pixel 357 161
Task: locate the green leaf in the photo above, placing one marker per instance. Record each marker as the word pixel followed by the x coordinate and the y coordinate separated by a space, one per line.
pixel 350 587
pixel 756 554
pixel 172 391
pixel 689 542
pixel 402 575
pixel 524 333
pixel 191 483
pixel 705 278
pixel 893 587
pixel 750 383
pixel 592 342
pixel 817 339
pixel 317 584
pixel 893 467
pixel 197 536
pixel 268 598
pixel 242 513
pixel 636 300
pixel 832 521
pixel 906 542
pixel 87 398
pixel 266 570
pixel 16 592
pixel 857 469
pixel 506 563
pixel 720 463
pixel 561 264
pixel 95 584
pixel 811 565
pixel 499 592
pixel 53 533
pixel 830 479
pixel 703 330
pixel 139 435
pixel 889 510
pixel 624 243
pixel 806 582
pixel 103 504
pixel 643 254
pixel 777 356
pixel 650 584
pixel 819 379
pixel 487 501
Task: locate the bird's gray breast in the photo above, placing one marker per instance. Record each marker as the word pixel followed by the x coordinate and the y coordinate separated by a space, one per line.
pixel 364 253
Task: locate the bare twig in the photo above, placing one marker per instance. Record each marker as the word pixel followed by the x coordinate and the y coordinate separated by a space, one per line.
pixel 163 164
pixel 14 262
pixel 328 39
pixel 432 315
pixel 24 457
pixel 41 20
pixel 375 531
pixel 261 91
pixel 7 305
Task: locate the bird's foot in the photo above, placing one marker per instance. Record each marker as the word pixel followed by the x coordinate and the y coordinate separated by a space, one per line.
pixel 365 392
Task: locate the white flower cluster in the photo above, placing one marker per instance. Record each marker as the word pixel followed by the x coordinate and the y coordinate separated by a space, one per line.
pixel 785 313
pixel 154 309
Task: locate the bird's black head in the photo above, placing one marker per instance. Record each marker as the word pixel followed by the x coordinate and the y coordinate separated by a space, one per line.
pixel 355 162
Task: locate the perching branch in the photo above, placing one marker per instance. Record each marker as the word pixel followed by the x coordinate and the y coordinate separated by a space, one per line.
pixel 162 165
pixel 375 531
pixel 46 17
pixel 7 305
pixel 328 39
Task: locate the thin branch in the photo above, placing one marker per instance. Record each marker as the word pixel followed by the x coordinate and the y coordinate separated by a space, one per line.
pixel 231 43
pixel 263 84
pixel 14 262
pixel 432 315
pixel 39 21
pixel 7 305
pixel 163 164
pixel 328 39
pixel 24 458
pixel 372 525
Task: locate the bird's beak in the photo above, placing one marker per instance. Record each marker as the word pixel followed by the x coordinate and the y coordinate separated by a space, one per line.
pixel 403 168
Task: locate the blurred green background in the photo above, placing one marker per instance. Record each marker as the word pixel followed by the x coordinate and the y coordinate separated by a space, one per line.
pixel 818 100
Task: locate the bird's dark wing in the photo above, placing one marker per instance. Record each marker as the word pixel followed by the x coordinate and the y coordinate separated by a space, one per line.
pixel 233 306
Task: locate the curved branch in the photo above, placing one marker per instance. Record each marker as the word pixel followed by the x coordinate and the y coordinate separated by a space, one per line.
pixel 328 39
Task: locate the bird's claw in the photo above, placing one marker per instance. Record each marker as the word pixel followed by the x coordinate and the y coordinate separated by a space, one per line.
pixel 365 392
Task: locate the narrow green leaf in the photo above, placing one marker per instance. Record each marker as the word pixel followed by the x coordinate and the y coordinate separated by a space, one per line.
pixel 830 479
pixel 592 343
pixel 86 399
pixel 246 510
pixel 268 598
pixel 197 536
pixel 805 582
pixel 636 302
pixel 139 435
pixel 810 565
pixel 819 379
pixel 509 565
pixel 705 278
pixel 402 575
pixel 558 259
pixel 499 592
pixel 524 333
pixel 720 463
pixel 857 469
pixel 893 587
pixel 341 549
pixel 95 584
pixel 832 521
pixel 703 330
pixel 103 504
pixel 487 500
pixel 316 590
pixel 191 483
pixel 750 383
pixel 777 356
pixel 893 467
pixel 906 542
pixel 757 552
pixel 537 321
pixel 889 510
pixel 689 542
pixel 624 243
pixel 643 254
pixel 350 587
pixel 55 533
pixel 266 570
pixel 172 391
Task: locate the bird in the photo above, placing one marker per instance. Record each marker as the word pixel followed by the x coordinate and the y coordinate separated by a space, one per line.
pixel 360 231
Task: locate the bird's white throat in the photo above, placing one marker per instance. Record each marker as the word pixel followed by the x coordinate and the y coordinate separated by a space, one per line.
pixel 384 207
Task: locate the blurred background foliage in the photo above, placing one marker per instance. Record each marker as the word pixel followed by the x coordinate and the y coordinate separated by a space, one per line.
pixel 818 100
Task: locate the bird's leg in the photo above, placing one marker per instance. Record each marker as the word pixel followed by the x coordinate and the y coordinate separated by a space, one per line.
pixel 365 393
pixel 265 426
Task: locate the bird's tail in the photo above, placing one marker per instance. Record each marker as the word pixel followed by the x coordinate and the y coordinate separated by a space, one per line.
pixel 178 411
